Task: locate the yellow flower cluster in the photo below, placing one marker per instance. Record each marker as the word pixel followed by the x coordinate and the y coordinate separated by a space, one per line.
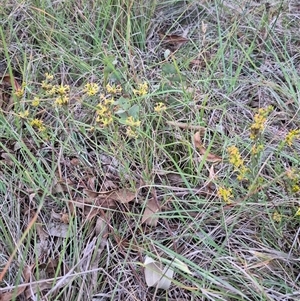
pixel 35 102
pixel 238 163
pixel 62 89
pixel 277 217
pixel 291 136
pixel 38 124
pixel 91 89
pixel 256 149
pixel 294 178
pixel 259 122
pixel 46 85
pixel 24 114
pixel 131 127
pixel 49 77
pixel 20 92
pixel 235 157
pixel 113 89
pixel 61 100
pixel 142 89
pixel 225 194
pixel 160 107
pixel 104 111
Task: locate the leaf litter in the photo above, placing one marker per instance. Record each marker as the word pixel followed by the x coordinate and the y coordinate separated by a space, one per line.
pixel 109 208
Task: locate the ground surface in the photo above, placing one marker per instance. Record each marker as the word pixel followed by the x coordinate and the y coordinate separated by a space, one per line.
pixel 137 129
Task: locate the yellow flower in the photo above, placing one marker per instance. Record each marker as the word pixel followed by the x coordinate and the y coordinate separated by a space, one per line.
pixel 91 89
pixel 298 212
pixel 113 89
pixel 131 132
pixel 105 121
pixel 48 76
pixel 160 107
pixel 35 102
pixel 259 122
pixel 256 149
pixel 46 86
pixel 277 217
pixel 295 188
pixel 61 100
pixel 20 92
pixel 101 109
pixel 242 173
pixel 109 101
pixel 51 91
pixel 142 89
pixel 38 123
pixel 24 114
pixel 291 174
pixel 291 136
pixel 225 194
pixel 234 156
pixel 62 89
pixel 130 121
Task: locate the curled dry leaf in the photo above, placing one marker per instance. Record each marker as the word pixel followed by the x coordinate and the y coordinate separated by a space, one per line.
pixel 198 144
pixel 149 216
pixel 157 275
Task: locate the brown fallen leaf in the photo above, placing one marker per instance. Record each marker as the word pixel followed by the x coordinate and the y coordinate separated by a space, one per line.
pixel 6 158
pixel 15 293
pixel 59 230
pixel 91 193
pixel 149 216
pixel 197 63
pixel 123 195
pixel 198 144
pixel 174 41
pixel 6 99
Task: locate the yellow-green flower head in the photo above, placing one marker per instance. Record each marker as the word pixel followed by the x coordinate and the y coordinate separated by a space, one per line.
pixel 46 86
pixel 259 121
pixel 113 89
pixel 38 124
pixel 234 156
pixel 131 132
pixel 142 89
pixel 24 114
pixel 277 217
pixel 131 122
pixel 62 89
pixel 61 100
pixel 48 76
pixel 35 102
pixel 291 136
pixel 101 109
pixel 91 89
pixel 20 92
pixel 160 107
pixel 225 194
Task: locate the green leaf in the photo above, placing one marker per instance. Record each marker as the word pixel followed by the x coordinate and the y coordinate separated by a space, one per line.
pixel 134 111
